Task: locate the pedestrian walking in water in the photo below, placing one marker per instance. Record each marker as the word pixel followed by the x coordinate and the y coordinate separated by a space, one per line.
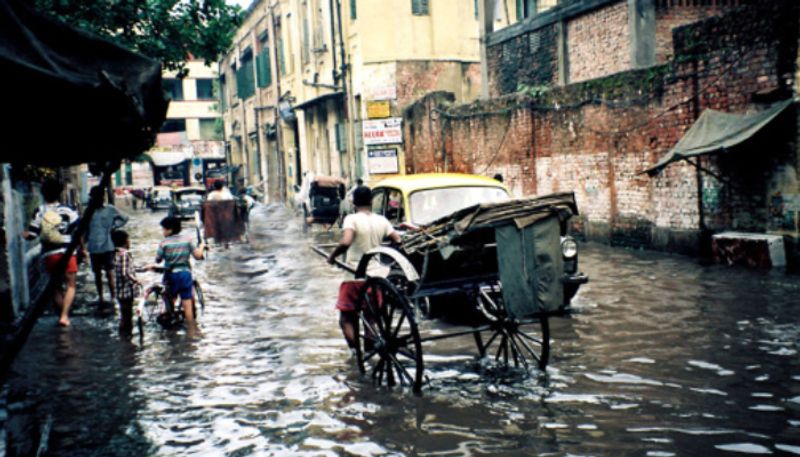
pixel 106 219
pixel 363 231
pixel 53 224
pixel 125 278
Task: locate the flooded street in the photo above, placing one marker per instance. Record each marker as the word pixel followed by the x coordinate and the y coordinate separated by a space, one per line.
pixel 661 357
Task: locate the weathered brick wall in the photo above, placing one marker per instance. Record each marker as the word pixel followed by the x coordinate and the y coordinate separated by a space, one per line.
pixel 671 14
pixel 596 137
pixel 530 59
pixel 599 43
pixel 414 79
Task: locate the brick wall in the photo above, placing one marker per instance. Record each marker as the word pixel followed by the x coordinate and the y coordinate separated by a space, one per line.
pixel 599 43
pixel 414 79
pixel 671 14
pixel 530 59
pixel 596 137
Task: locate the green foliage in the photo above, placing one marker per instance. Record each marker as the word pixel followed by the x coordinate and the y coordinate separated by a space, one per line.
pixel 167 30
pixel 532 91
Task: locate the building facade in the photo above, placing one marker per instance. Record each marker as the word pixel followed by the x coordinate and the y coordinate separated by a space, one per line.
pixel 191 139
pixel 319 86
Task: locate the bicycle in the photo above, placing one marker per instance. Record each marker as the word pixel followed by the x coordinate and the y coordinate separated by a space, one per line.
pixel 155 305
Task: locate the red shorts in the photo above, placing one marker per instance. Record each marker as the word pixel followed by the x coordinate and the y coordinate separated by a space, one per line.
pixel 51 261
pixel 349 293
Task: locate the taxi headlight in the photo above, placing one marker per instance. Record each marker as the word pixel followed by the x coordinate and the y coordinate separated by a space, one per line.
pixel 569 248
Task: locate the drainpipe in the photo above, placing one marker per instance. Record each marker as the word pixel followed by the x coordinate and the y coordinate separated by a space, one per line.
pixel 333 43
pixel 486 26
pixel 348 106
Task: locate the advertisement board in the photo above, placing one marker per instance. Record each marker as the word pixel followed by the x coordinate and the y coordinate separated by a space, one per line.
pixel 382 161
pixel 383 131
pixel 378 110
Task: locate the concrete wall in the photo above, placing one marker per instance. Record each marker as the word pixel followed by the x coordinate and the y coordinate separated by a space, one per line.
pixel 569 139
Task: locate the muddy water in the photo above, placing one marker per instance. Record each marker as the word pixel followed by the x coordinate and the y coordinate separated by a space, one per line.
pixel 662 357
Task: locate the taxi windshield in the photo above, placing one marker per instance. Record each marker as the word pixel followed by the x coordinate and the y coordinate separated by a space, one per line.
pixel 431 204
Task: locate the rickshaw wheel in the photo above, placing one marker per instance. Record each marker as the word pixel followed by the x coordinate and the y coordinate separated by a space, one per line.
pixel 388 345
pixel 518 340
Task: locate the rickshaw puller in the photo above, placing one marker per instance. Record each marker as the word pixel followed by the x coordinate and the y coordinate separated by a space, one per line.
pixel 363 231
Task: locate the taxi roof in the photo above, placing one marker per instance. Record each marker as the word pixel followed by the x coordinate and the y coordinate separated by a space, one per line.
pixel 410 183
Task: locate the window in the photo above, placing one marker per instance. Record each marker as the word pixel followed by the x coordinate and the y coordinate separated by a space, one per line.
pixel 245 84
pixel 173 88
pixel 475 7
pixel 223 95
pixel 525 9
pixel 394 209
pixel 205 88
pixel 173 125
pixel 263 68
pixel 353 10
pixel 305 53
pixel 281 58
pixel 419 7
pixel 211 129
pixel 377 202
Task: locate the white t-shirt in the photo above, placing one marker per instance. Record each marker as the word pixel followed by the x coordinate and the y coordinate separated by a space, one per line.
pixel 219 195
pixel 370 229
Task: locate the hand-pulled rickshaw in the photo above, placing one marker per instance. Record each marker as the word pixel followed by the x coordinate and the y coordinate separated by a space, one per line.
pixel 508 265
pixel 321 206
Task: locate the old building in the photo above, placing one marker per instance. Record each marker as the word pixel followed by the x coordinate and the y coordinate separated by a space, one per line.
pixel 589 94
pixel 190 142
pixel 319 86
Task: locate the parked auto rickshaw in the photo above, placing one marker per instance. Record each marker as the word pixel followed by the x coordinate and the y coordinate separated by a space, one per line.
pixel 160 198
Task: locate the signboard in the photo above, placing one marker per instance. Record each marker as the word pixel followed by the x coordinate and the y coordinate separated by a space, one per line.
pixel 382 161
pixel 384 93
pixel 378 110
pixel 383 131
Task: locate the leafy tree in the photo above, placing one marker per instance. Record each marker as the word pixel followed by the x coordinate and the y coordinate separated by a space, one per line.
pixel 167 30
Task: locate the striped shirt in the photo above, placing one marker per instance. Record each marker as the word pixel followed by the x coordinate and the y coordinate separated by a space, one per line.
pixel 175 251
pixel 69 221
pixel 125 274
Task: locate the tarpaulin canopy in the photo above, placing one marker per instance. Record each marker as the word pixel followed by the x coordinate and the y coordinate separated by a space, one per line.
pixel 168 158
pixel 70 96
pixel 716 131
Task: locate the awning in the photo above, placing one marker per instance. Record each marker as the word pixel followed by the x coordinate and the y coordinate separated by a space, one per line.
pixel 168 158
pixel 73 97
pixel 320 99
pixel 716 131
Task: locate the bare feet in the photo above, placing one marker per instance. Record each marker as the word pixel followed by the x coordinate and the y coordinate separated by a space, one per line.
pixel 63 322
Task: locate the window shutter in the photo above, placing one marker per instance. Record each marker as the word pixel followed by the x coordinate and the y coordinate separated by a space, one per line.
pixel 353 10
pixel 419 7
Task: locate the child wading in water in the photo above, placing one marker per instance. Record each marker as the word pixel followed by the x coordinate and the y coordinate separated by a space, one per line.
pixel 174 251
pixel 125 279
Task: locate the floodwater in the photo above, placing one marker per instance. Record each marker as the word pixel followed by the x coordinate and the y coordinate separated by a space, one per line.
pixel 662 357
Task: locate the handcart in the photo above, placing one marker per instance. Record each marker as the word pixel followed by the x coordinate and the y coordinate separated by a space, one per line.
pixel 502 263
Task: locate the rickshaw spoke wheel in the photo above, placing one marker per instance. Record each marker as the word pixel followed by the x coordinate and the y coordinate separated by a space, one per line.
pixel 387 332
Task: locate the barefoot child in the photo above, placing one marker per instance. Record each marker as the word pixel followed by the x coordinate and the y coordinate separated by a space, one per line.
pixel 127 284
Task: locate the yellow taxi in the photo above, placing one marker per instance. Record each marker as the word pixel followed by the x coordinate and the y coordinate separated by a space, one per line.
pixel 415 200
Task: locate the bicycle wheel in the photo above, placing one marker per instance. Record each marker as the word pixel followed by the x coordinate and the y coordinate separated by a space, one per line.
pixel 154 301
pixel 198 297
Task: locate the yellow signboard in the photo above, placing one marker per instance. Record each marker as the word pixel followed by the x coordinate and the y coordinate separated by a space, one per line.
pixel 378 110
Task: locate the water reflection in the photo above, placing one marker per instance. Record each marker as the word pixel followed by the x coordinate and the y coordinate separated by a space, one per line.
pixel 662 357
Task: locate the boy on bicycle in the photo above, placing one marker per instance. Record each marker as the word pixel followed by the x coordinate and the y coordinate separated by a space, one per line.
pixel 175 250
